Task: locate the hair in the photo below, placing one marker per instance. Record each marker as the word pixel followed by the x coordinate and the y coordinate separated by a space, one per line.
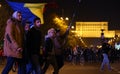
pixel 57 30
pixel 48 33
pixel 28 22
pixel 51 29
pixel 37 18
pixel 14 15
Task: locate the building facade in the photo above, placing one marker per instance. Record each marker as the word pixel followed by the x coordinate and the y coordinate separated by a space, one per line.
pixel 93 29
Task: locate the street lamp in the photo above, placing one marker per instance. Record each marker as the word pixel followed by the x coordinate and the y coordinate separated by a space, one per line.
pixel 102 33
pixel 0 5
pixel 72 27
pixel 66 18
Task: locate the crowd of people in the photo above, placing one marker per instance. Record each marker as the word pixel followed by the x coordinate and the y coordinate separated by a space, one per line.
pixel 23 44
pixel 104 55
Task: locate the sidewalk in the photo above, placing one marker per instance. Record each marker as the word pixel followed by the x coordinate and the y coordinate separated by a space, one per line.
pixel 116 66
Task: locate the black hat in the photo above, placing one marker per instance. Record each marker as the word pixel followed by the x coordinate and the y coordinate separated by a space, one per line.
pixel 57 30
pixel 27 21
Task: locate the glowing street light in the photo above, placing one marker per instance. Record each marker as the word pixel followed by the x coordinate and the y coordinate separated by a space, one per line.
pixel 102 34
pixel 60 22
pixel 72 27
pixel 61 18
pixel 0 5
pixel 67 18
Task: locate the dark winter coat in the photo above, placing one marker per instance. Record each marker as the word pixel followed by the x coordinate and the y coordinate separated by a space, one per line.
pixel 34 41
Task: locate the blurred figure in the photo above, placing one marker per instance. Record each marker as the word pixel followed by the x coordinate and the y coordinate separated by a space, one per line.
pixel 105 51
pixel 1 55
pixel 50 51
pixel 13 43
pixel 59 43
pixel 26 51
pixel 75 52
pixel 27 26
pixel 33 46
pixel 54 43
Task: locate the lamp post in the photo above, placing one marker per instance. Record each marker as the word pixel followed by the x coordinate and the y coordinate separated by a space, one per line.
pixel 102 35
pixel 65 20
pixel 0 5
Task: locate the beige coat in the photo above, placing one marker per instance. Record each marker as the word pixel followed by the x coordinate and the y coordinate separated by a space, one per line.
pixel 15 32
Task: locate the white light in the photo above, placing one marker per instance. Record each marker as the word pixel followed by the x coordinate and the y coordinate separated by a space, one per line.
pixel 0 5
pixel 61 18
pixel 72 27
pixel 66 18
pixel 117 46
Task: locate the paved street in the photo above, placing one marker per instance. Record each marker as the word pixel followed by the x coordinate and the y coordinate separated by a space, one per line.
pixel 85 69
pixel 81 69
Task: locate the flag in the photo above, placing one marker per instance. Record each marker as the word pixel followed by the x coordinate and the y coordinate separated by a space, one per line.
pixel 29 10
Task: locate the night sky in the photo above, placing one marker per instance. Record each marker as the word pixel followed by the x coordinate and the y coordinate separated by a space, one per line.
pixel 89 10
pixel 94 10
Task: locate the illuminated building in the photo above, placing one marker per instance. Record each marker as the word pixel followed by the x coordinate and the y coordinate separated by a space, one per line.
pixel 93 29
pixel 90 32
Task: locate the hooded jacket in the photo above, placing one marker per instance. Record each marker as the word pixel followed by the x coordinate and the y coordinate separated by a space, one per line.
pixel 13 38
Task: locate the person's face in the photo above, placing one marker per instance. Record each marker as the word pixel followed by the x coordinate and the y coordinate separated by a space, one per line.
pixel 58 34
pixel 38 23
pixel 27 27
pixel 19 17
pixel 52 34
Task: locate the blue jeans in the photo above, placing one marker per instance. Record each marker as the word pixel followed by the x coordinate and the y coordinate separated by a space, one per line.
pixel 105 62
pixel 34 65
pixel 9 64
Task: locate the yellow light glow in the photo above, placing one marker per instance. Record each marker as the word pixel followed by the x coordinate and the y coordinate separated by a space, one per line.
pixel 61 18
pixel 60 22
pixel 0 5
pixel 93 29
pixel 99 46
pixel 67 18
pixel 72 27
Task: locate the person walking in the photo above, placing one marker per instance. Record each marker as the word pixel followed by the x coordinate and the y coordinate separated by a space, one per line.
pixel 33 46
pixel 59 43
pixel 105 51
pixel 55 42
pixel 13 43
pixel 26 51
pixel 50 52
